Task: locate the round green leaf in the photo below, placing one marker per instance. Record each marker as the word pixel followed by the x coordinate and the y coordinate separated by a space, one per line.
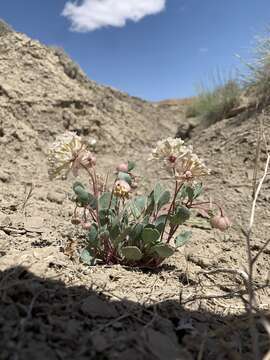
pixel 181 215
pixel 132 253
pixel 158 191
pixel 83 196
pixel 150 204
pixel 182 238
pixel 164 199
pixel 92 236
pixel 163 250
pixel 136 232
pixel 137 206
pixel 150 235
pixel 160 222
pixel 87 258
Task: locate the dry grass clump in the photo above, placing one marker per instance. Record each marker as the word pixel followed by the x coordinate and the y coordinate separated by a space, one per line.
pixel 257 81
pixel 214 105
pixel 184 101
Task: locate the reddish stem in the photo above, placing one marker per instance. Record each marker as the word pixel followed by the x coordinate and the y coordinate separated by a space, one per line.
pixel 172 232
pixel 177 189
pixel 208 202
pixel 95 190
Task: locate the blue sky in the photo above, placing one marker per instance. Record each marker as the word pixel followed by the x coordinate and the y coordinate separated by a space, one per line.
pixel 164 55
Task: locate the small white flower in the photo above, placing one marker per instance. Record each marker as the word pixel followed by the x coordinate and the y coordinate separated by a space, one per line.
pixel 169 150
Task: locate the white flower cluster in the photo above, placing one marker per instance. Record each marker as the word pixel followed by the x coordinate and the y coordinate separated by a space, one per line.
pixel 68 153
pixel 169 148
pixel 181 158
pixel 190 167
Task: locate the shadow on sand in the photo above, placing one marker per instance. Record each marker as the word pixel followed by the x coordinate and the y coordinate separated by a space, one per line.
pixel 45 319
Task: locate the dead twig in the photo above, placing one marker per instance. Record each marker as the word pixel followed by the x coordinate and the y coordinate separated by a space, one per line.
pixel 28 196
pixel 241 273
pixel 251 261
pixel 230 295
pixel 260 251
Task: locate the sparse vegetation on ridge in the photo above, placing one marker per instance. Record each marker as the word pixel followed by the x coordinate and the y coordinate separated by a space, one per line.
pixel 257 81
pixel 5 28
pixel 214 105
pixel 71 69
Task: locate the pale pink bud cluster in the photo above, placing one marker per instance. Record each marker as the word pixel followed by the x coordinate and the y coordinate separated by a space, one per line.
pixel 123 167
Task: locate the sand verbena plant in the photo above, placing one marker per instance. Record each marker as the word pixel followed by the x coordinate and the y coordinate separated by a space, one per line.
pixel 121 227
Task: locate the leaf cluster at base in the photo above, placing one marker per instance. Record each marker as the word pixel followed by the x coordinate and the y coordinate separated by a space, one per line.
pixel 138 231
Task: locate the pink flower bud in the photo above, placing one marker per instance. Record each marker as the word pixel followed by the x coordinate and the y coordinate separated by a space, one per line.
pixel 188 175
pixel 123 167
pixel 220 222
pixel 86 226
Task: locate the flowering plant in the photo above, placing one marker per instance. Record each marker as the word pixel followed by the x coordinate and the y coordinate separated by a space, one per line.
pixel 125 228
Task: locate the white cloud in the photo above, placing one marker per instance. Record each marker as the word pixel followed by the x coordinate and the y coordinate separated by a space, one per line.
pixel 89 15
